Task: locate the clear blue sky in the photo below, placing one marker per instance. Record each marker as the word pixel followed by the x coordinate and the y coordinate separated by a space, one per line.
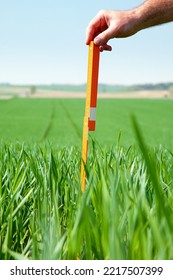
pixel 43 41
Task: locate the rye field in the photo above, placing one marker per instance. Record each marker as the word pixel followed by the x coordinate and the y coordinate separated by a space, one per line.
pixel 126 211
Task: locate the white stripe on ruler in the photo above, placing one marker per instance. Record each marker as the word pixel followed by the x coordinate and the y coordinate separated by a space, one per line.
pixel 92 114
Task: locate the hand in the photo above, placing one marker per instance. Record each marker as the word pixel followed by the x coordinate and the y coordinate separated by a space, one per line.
pixel 110 24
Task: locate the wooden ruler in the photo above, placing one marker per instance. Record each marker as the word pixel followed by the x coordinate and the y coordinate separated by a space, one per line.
pixel 91 104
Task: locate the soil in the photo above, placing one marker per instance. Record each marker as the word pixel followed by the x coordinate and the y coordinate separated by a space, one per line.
pixel 62 94
pixel 139 94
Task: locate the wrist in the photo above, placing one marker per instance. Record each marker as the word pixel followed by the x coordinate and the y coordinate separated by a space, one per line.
pixel 134 16
pixel 137 19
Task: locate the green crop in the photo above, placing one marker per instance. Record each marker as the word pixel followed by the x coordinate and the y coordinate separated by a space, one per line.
pixel 126 211
pixel 60 121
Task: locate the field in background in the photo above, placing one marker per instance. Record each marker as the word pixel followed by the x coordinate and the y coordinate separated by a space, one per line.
pixel 78 91
pixel 60 121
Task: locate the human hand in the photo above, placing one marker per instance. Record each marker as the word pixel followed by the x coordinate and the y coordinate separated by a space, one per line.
pixel 109 24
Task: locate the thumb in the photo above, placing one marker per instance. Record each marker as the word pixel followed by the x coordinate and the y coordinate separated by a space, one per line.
pixel 103 37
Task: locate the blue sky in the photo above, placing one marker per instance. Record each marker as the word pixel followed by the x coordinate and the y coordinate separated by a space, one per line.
pixel 43 42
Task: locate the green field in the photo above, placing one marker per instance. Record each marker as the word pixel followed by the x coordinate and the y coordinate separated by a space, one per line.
pixel 60 121
pixel 126 211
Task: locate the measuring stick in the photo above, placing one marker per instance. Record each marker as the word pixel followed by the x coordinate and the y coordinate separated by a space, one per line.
pixel 91 104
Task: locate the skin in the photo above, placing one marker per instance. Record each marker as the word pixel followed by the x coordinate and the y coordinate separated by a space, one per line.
pixel 108 24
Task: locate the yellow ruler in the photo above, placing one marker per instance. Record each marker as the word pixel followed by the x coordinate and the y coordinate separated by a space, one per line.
pixel 91 104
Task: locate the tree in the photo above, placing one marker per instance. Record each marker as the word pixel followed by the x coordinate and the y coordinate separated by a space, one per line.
pixel 33 90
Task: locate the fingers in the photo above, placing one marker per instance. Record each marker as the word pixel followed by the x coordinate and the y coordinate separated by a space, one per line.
pixel 96 26
pixel 102 39
pixel 104 36
pixel 100 31
pixel 105 47
pixel 89 35
pixel 91 30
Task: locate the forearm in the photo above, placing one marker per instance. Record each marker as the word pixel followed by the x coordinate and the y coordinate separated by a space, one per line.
pixel 153 12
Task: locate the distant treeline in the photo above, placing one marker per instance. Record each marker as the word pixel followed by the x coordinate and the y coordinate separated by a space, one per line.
pixel 119 88
pixel 160 86
pixel 102 87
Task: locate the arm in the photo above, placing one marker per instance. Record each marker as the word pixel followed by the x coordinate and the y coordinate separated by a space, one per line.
pixel 154 12
pixel 118 24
